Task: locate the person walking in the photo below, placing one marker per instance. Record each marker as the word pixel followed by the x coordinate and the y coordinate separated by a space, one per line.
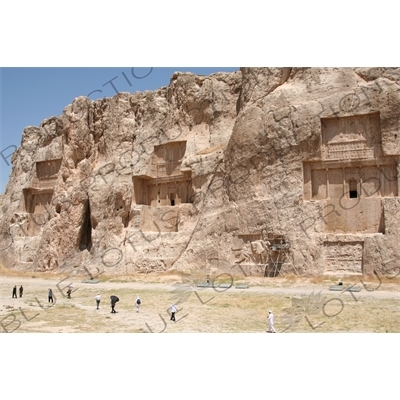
pixel 271 328
pixel 114 300
pixel 50 296
pixel 69 291
pixel 173 310
pixel 14 292
pixel 97 297
pixel 21 291
pixel 138 302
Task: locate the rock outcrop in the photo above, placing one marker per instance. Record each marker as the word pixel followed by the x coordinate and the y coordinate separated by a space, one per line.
pixel 260 171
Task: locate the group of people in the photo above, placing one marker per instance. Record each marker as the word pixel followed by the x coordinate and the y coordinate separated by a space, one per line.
pixel 50 295
pixel 114 300
pixel 173 310
pixel 21 291
pixel 14 292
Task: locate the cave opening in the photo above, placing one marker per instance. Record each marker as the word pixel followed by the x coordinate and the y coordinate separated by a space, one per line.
pixel 85 237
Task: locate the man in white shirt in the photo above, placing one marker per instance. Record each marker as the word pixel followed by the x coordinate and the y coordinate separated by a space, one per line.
pixel 173 310
pixel 271 328
pixel 98 300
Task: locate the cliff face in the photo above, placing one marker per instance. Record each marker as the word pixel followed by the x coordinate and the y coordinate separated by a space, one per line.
pixel 261 171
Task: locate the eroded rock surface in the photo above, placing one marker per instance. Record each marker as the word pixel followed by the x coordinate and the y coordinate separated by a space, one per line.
pixel 262 171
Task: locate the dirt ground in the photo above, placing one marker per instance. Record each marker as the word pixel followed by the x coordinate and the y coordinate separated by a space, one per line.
pixel 299 304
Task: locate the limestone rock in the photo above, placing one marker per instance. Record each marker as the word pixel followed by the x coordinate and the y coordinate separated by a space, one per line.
pixel 261 171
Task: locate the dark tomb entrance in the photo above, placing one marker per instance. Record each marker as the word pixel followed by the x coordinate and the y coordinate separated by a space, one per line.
pixel 353 189
pixel 85 237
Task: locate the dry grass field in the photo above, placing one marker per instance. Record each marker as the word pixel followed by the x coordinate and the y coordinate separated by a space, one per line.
pixel 299 304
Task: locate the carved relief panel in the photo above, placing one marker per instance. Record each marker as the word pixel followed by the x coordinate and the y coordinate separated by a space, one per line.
pixel 351 138
pixel 343 257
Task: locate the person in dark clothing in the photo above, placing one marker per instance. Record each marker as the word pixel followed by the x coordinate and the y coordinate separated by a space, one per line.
pixel 114 300
pixel 50 296
pixel 137 304
pixel 14 292
pixel 69 291
pixel 21 291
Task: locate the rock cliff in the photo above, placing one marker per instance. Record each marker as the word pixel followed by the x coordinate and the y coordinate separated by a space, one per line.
pixel 263 171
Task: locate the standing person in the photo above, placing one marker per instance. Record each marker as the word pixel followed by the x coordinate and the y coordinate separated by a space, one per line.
pixel 69 291
pixel 271 328
pixel 14 292
pixel 114 300
pixel 138 302
pixel 97 297
pixel 50 296
pixel 21 291
pixel 173 310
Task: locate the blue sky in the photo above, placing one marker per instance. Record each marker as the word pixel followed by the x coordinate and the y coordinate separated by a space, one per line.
pixel 30 95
